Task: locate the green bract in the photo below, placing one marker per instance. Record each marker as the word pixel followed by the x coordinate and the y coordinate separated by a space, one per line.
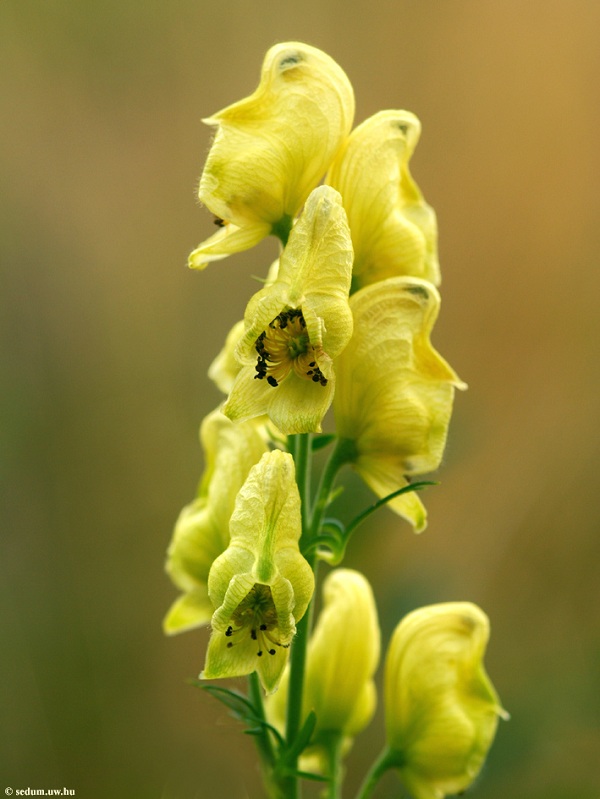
pixel 272 148
pixel 394 391
pixel 261 585
pixel 298 324
pixel 394 231
pixel 441 708
pixel 202 530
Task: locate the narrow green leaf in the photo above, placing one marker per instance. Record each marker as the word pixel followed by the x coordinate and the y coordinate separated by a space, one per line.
pixel 376 505
pixel 240 706
pixel 304 736
pixel 322 440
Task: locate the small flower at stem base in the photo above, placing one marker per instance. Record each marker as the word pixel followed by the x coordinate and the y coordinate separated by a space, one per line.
pixel 441 708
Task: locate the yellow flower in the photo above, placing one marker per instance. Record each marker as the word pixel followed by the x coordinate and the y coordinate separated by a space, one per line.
pixel 272 148
pixel 394 231
pixel 297 325
pixel 261 585
pixel 441 708
pixel 394 391
pixel 343 654
pixel 202 530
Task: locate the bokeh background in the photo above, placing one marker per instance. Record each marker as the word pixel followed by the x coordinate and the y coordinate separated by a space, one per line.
pixel 106 338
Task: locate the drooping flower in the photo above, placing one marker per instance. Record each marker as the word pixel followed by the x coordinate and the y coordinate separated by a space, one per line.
pixel 394 391
pixel 261 585
pixel 296 326
pixel 394 231
pixel 441 708
pixel 342 656
pixel 202 530
pixel 272 148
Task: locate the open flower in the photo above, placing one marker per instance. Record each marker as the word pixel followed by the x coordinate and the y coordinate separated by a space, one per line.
pixel 394 391
pixel 261 585
pixel 202 530
pixel 296 326
pixel 343 654
pixel 272 148
pixel 441 708
pixel 394 231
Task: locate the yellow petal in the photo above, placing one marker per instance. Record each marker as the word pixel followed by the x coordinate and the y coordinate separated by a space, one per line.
pixel 228 240
pixel 394 231
pixel 441 708
pixel 394 391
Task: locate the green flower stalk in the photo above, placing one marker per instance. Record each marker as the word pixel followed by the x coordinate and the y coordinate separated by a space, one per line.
pixel 394 391
pixel 342 657
pixel 202 530
pixel 394 231
pixel 272 148
pixel 261 585
pixel 441 708
pixel 297 325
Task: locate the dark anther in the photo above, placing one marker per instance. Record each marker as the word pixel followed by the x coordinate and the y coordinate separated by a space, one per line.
pixel 229 631
pixel 259 654
pixel 263 626
pixel 271 381
pixel 253 635
pixel 219 222
pixel 312 363
pixel 271 651
pixel 230 644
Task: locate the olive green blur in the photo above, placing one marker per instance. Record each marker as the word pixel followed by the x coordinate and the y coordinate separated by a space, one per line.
pixel 107 337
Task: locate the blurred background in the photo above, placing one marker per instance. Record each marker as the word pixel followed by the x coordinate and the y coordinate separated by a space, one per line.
pixel 106 339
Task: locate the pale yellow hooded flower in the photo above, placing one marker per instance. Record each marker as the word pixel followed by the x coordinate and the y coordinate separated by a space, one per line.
pixel 261 585
pixel 441 708
pixel 342 657
pixel 272 148
pixel 202 530
pixel 394 231
pixel 295 327
pixel 394 393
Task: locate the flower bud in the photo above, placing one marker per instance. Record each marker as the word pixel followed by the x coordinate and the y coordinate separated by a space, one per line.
pixel 261 585
pixel 342 657
pixel 441 708
pixel 394 231
pixel 394 392
pixel 272 148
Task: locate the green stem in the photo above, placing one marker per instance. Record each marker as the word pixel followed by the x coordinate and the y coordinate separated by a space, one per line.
pixel 263 741
pixel 343 452
pixel 301 450
pixel 386 760
pixel 335 772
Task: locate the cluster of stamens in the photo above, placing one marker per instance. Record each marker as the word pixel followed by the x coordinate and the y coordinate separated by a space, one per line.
pixel 256 614
pixel 285 345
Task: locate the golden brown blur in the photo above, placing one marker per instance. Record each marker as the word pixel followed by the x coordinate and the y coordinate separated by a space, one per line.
pixel 107 338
